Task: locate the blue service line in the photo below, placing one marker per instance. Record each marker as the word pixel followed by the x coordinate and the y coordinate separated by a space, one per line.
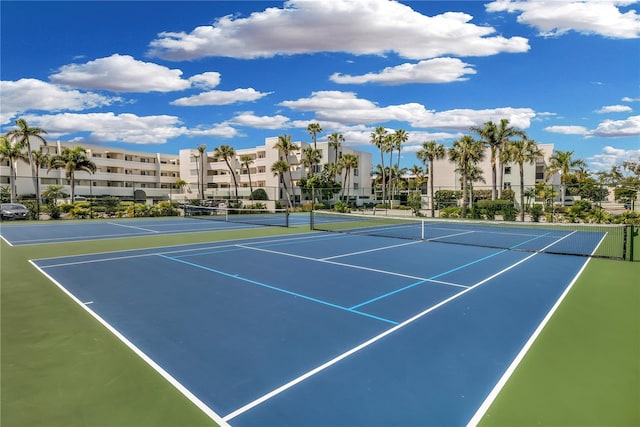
pixel 264 285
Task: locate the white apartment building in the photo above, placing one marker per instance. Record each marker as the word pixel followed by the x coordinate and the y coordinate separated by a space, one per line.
pixel 149 177
pixel 214 176
pixel 445 176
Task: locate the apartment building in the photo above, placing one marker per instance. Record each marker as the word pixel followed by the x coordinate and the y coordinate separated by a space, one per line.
pixel 213 176
pixel 150 177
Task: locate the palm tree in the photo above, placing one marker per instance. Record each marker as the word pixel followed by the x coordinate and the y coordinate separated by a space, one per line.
pixel 279 168
pixel 523 151
pixel 246 160
pixel 335 140
pixel 431 151
pixel 40 159
pixel 398 138
pixel 466 152
pixel 226 152
pixel 314 129
pixel 13 152
pixel 200 169
pixel 418 174
pixel 380 138
pixel 72 160
pixel 310 156
pixel 23 136
pixel 504 135
pixel 561 162
pixel 180 184
pixel 286 147
pixel 348 162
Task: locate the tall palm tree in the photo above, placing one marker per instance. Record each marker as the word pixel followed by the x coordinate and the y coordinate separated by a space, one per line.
pixel 13 152
pixel 430 152
pixel 348 162
pixel 314 129
pixel 466 152
pixel 488 134
pixel 200 170
pixel 310 157
pixel 279 168
pixel 40 159
pixel 246 160
pixel 180 184
pixel 523 151
pixel 23 136
pixel 562 162
pixel 380 138
pixel 504 135
pixel 227 153
pixel 286 147
pixel 418 174
pixel 335 140
pixel 72 160
pixel 400 136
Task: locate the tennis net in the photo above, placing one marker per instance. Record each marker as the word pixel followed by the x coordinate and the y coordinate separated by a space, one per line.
pixel 596 240
pixel 262 216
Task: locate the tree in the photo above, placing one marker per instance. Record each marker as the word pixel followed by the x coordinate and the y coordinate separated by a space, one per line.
pixel 348 162
pixel 72 160
pixel 398 138
pixel 286 147
pixel 226 153
pixel 314 129
pixel 335 140
pixel 246 160
pixel 466 152
pixel 418 177
pixel 279 168
pixel 200 157
pixel 310 156
pixel 523 151
pixel 13 152
pixel 504 135
pixel 181 184
pixel 23 136
pixel 380 138
pixel 40 159
pixel 430 152
pixel 561 162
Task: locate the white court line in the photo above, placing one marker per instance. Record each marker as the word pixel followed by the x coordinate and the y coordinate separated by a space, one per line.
pixel 365 344
pixel 131 226
pixel 370 250
pixel 182 389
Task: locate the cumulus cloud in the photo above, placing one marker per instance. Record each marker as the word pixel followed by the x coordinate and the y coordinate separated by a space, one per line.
pixel 438 70
pixel 360 27
pixel 346 108
pixel 568 130
pixel 614 109
pixel 121 73
pixel 611 156
pixel 249 119
pixel 127 128
pixel 618 128
pixel 35 95
pixel 629 99
pixel 220 97
pixel 555 18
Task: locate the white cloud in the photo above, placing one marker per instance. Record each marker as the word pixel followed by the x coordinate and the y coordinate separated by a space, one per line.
pixel 207 80
pixel 346 108
pixel 127 128
pixel 618 128
pixel 554 18
pixel 220 97
pixel 611 156
pixel 361 27
pixel 249 119
pixel 568 130
pixel 438 70
pixel 629 99
pixel 25 95
pixel 614 109
pixel 121 73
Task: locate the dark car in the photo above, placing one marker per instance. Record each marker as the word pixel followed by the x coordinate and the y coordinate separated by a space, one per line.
pixel 13 211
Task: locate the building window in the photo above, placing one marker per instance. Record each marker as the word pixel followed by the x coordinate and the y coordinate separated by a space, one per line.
pixel 507 170
pixel 507 186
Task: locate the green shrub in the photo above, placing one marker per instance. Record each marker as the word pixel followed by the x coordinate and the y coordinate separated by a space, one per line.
pixel 450 212
pixel 446 198
pixel 259 194
pixel 341 207
pixel 536 212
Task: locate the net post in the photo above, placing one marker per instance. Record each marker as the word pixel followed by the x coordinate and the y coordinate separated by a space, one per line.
pixel 422 230
pixel 311 218
pixel 631 239
pixel 286 218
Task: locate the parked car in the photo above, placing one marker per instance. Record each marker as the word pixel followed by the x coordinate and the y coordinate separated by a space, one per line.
pixel 627 205
pixel 13 211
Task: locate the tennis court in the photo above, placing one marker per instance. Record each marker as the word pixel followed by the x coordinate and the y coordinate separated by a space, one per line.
pixel 326 328
pixel 69 231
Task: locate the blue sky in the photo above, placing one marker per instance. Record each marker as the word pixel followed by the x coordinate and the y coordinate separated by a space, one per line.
pixel 159 76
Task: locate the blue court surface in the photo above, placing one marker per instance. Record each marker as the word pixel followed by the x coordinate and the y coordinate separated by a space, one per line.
pixel 17 234
pixel 324 329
